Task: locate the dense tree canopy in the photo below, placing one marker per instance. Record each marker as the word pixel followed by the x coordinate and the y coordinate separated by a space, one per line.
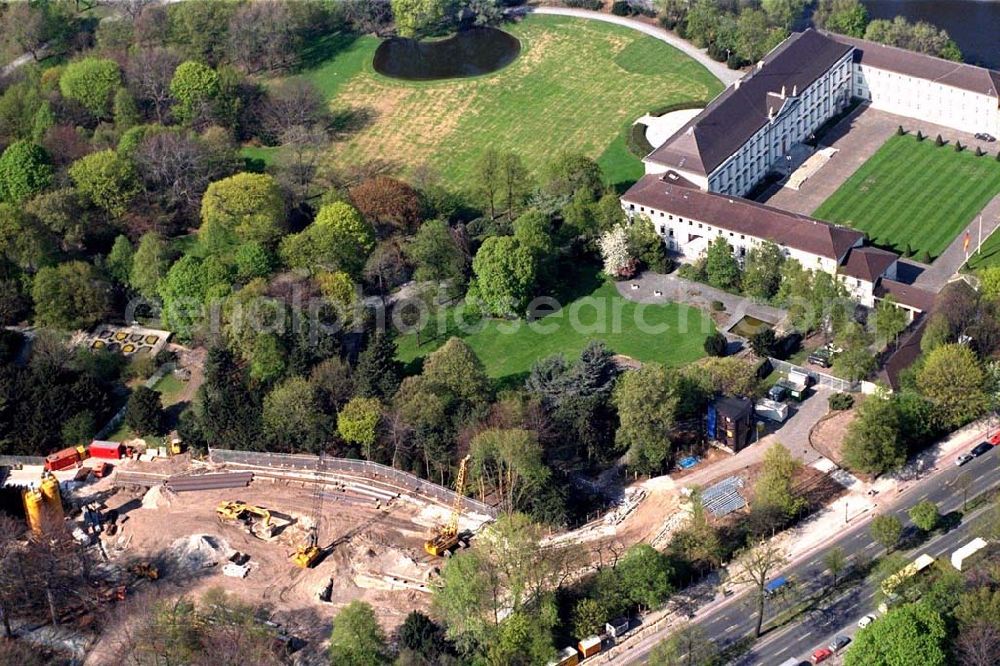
pixel 91 82
pixel 25 170
pixel 910 634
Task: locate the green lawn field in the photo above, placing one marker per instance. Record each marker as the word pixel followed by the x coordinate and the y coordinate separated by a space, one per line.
pixel 914 194
pixel 676 333
pixel 990 254
pixel 575 85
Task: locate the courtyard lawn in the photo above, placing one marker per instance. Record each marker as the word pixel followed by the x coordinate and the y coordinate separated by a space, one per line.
pixel 914 194
pixel 509 349
pixel 990 255
pixel 574 86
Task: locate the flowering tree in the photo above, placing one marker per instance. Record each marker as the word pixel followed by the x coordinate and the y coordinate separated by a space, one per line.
pixel 618 262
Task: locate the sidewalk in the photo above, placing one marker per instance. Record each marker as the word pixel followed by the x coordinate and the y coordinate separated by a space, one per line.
pixel 721 72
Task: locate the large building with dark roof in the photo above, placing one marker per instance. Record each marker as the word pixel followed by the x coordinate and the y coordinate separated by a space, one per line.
pixel 694 181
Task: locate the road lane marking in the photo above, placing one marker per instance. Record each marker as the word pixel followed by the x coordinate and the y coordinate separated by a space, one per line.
pixel 728 629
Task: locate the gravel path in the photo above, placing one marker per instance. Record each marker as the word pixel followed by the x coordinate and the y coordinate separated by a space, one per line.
pixel 721 72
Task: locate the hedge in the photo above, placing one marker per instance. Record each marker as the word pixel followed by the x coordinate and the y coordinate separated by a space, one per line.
pixel 637 142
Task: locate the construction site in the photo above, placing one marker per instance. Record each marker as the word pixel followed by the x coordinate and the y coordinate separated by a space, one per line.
pixel 298 535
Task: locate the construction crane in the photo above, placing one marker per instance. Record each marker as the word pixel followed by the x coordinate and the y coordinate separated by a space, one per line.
pixel 256 519
pixel 306 554
pixel 445 538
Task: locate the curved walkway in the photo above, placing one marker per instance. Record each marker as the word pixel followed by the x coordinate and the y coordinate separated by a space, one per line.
pixel 721 72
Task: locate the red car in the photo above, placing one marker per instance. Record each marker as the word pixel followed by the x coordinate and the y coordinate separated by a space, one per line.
pixel 821 654
pixel 995 439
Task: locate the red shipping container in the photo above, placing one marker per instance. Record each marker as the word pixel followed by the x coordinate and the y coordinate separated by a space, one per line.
pixel 62 459
pixel 107 450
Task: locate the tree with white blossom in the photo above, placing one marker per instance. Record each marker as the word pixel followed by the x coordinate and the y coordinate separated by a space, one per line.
pixel 618 261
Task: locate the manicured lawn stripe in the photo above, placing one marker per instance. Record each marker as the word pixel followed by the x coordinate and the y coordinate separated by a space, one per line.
pixel 914 193
pixel 510 355
pixel 574 86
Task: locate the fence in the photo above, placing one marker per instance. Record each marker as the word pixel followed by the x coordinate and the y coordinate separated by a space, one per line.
pixel 356 468
pixel 15 461
pixel 822 379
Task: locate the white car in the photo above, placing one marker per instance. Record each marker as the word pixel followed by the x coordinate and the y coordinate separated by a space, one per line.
pixel 964 458
pixel 865 621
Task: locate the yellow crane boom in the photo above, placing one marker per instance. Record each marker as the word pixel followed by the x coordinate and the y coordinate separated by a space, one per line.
pixel 446 538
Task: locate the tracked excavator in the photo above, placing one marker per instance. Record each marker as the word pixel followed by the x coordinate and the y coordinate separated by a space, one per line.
pixel 256 519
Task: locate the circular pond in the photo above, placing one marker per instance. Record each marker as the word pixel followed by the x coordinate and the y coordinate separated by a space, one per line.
pixel 467 53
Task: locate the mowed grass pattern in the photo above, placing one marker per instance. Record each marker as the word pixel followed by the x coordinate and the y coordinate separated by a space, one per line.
pixel 575 85
pixel 510 348
pixel 914 193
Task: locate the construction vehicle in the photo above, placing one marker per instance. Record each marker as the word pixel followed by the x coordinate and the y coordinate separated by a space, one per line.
pixel 445 539
pixel 256 519
pixel 308 553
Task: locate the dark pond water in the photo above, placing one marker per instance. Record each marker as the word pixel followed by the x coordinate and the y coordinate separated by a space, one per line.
pixel 467 53
pixel 973 24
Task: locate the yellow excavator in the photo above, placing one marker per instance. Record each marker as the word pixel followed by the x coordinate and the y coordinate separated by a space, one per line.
pixel 306 554
pixel 256 519
pixel 445 538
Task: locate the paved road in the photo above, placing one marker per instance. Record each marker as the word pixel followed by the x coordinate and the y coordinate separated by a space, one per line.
pixel 721 72
pixel 734 619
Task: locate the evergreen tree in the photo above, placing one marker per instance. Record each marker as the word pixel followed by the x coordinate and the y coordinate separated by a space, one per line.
pixel 144 411
pixel 378 372
pixel 230 414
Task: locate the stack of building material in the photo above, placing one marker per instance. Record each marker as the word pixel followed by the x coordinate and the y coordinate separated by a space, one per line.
pixel 182 484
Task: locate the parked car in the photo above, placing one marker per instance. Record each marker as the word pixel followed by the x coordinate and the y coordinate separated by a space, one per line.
pixel 981 448
pixel 865 621
pixel 821 357
pixel 839 643
pixel 983 136
pixel 821 654
pixel 964 458
pixel 995 439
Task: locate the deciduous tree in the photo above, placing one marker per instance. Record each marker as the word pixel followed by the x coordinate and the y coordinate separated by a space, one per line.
pixel 505 273
pixel 92 82
pixel 244 207
pixel 886 530
pixel 109 180
pixel 910 634
pixel 755 565
pixel 952 379
pixel 69 296
pixel 194 86
pixel 721 267
pixel 872 445
pixel 357 639
pixel 647 406
pixel 924 515
pixel 357 423
pixel 388 204
pixel 25 170
pixel 416 16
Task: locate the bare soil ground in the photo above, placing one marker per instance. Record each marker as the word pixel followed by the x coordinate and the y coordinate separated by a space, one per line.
pixel 827 436
pixel 375 555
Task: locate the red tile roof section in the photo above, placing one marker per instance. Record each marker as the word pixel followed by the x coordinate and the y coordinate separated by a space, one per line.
pixel 743 216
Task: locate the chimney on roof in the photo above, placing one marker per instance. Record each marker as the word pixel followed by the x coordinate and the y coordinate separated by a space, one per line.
pixel 690 130
pixel 770 113
pixel 782 92
pixel 795 90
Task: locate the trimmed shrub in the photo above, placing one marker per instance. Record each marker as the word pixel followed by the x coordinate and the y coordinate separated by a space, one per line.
pixel 938 141
pixel 838 402
pixel 900 131
pixel 622 8
pixel 715 345
pixel 979 152
pixel 678 106
pixel 637 143
pixel 959 147
pixel 924 257
pixel 920 136
pixel 908 250
pixel 593 5
pixel 718 306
